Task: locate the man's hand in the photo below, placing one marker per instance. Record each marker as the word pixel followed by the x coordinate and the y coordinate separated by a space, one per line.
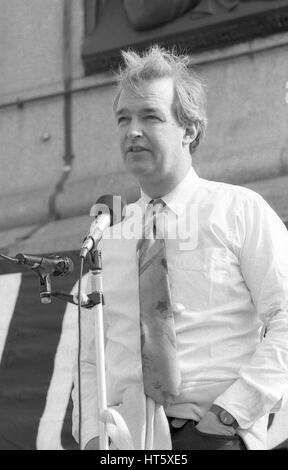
pixel 93 444
pixel 210 424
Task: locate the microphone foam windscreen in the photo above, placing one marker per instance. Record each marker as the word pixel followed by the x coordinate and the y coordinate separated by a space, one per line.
pixel 112 204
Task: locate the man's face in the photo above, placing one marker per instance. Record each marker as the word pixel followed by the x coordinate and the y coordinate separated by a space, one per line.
pixel 151 139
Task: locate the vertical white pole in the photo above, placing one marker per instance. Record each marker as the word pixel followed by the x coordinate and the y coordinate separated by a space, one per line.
pixel 96 284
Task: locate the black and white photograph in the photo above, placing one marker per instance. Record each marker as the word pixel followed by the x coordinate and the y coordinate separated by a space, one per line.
pixel 144 227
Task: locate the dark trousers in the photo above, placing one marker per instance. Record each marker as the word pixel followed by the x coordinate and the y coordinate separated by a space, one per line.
pixel 189 438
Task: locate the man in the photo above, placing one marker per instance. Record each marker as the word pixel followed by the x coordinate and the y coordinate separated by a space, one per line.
pixel 227 275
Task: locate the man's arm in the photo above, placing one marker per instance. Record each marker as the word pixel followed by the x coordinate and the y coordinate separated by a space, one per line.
pixel 212 425
pixel 264 264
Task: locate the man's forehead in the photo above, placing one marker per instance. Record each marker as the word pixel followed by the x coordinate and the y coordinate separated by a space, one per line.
pixel 157 93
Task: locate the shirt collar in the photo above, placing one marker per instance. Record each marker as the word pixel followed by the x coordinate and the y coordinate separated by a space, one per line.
pixel 179 197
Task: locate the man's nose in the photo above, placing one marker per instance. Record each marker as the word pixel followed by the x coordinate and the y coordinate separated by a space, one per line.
pixel 134 129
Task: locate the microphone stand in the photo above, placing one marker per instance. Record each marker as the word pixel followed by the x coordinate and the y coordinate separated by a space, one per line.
pixel 94 300
pixel 46 293
pixel 89 301
pixel 97 289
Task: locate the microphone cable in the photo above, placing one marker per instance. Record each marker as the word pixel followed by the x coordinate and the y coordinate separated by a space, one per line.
pixel 8 258
pixel 79 355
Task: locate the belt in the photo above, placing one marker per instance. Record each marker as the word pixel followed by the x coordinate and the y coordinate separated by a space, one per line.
pixel 177 423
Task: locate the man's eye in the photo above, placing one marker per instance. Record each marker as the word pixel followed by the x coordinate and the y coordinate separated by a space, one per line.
pixel 152 117
pixel 122 120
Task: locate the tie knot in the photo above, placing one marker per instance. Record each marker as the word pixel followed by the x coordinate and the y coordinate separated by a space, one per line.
pixel 157 205
pixel 154 214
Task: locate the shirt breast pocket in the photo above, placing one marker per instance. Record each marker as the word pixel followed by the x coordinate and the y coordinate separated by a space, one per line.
pixel 214 263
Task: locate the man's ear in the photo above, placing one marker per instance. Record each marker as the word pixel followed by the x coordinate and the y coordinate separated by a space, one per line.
pixel 190 134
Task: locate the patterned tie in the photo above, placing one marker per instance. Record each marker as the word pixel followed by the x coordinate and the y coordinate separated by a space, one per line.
pixel 161 373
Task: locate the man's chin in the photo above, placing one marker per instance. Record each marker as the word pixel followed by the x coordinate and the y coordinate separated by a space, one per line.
pixel 139 168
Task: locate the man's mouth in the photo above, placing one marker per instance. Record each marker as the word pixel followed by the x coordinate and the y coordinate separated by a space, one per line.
pixel 136 148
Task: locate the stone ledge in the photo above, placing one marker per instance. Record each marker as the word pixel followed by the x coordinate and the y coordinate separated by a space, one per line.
pixel 62 235
pixel 31 208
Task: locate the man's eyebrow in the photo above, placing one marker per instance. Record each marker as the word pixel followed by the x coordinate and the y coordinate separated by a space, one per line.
pixel 121 111
pixel 144 110
pixel 151 110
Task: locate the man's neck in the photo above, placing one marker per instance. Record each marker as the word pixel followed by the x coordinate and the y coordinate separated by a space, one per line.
pixel 159 188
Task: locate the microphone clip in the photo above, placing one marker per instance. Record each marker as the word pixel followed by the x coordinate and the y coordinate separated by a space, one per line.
pixel 95 261
pixel 45 287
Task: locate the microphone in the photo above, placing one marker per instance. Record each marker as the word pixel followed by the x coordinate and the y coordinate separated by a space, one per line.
pixel 108 211
pixel 56 265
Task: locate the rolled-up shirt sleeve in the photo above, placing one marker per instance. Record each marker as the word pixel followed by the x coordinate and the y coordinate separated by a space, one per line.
pixel 263 381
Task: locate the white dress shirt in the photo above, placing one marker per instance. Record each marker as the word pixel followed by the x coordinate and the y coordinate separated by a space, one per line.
pixel 227 254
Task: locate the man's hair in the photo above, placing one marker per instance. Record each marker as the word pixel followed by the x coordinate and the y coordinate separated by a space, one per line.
pixel 157 62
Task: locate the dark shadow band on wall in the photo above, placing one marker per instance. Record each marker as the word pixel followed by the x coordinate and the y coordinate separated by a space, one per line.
pixel 191 26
